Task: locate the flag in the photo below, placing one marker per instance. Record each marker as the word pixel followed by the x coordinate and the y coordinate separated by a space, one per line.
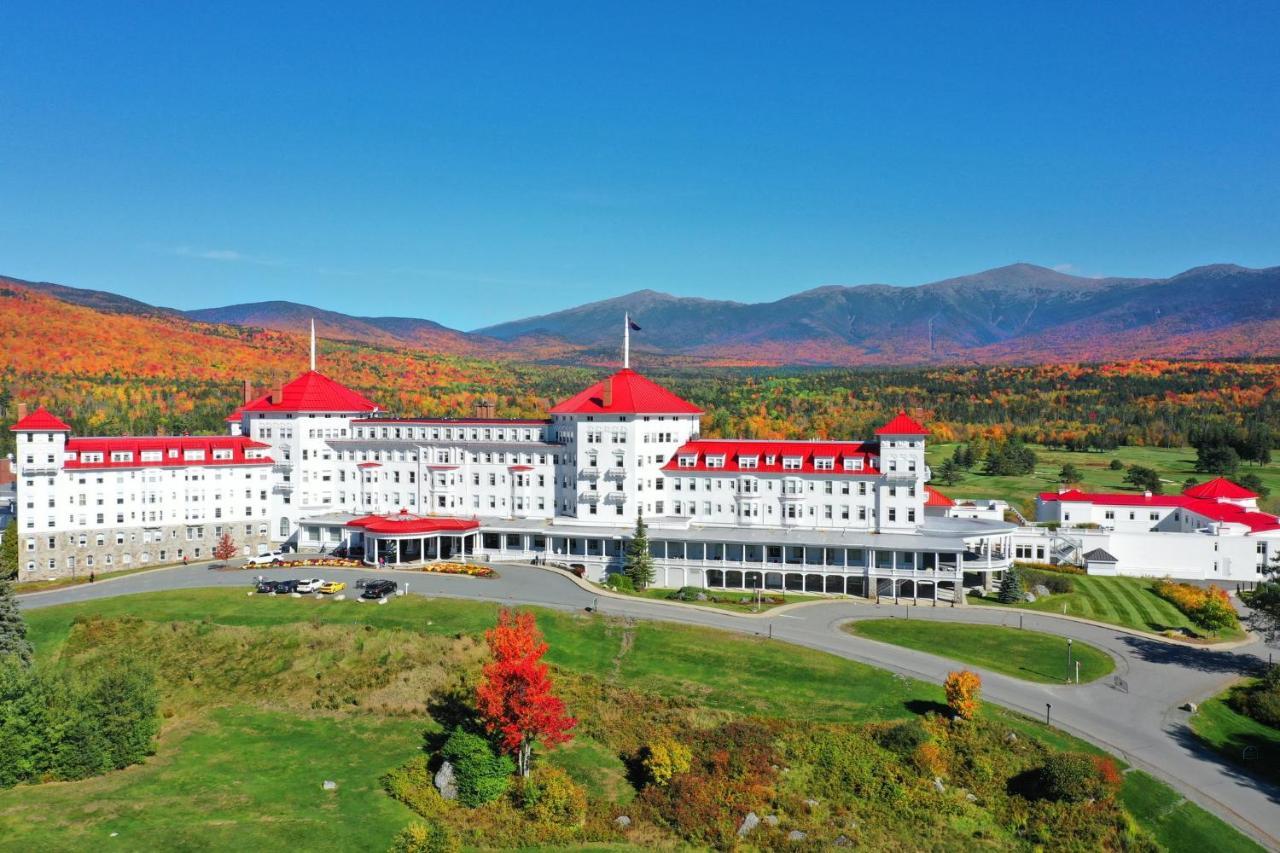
pixel 634 326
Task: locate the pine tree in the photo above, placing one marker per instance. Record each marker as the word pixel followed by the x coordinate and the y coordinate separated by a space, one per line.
pixel 638 562
pixel 13 628
pixel 1010 588
pixel 9 551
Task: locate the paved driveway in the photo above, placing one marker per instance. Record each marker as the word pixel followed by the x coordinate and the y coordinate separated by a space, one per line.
pixel 1142 723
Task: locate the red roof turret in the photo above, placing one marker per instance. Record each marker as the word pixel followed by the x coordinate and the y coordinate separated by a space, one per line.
pixel 626 393
pixel 41 420
pixel 1220 488
pixel 902 424
pixel 312 392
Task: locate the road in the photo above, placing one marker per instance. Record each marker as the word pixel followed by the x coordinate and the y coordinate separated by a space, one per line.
pixel 1142 724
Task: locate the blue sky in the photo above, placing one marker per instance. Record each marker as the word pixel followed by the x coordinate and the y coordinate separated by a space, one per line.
pixel 475 163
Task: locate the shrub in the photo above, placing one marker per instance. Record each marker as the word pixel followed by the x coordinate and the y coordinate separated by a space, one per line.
pixel 1209 608
pixel 1056 568
pixel 962 690
pixel 686 593
pixel 411 784
pixel 1057 583
pixel 620 582
pixel 431 837
pixel 1074 777
pixel 903 738
pixel 1116 465
pixel 549 796
pixel 1260 701
pixel 666 758
pixel 482 775
pixel 1010 588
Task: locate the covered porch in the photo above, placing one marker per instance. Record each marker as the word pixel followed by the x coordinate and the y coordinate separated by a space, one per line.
pixel 405 539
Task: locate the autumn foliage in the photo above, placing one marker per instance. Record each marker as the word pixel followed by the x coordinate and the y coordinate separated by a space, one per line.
pixel 225 549
pixel 1209 608
pixel 515 699
pixel 962 690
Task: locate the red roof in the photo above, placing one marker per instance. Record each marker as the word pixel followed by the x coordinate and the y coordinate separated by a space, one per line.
pixel 313 392
pixel 1220 488
pixel 406 522
pixel 520 467
pixel 808 452
pixel 629 393
pixel 172 450
pixel 902 424
pixel 41 420
pixel 1213 510
pixel 933 497
pixel 451 421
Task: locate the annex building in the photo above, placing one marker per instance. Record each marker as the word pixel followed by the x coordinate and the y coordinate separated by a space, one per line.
pixel 314 465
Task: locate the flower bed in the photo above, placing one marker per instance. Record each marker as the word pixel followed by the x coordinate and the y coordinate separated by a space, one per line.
pixel 1209 608
pixel 306 562
pixel 472 570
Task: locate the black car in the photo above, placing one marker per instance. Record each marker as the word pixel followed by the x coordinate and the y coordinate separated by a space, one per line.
pixel 363 582
pixel 266 586
pixel 378 589
pixel 286 587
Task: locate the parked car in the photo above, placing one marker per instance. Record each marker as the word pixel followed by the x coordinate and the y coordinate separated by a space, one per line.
pixel 286 587
pixel 378 589
pixel 330 587
pixel 309 585
pixel 266 586
pixel 268 559
pixel 363 582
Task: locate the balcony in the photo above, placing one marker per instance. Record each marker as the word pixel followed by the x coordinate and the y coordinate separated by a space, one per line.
pixel 589 498
pixel 36 469
pixel 282 465
pixel 615 497
pixel 590 473
pixel 616 473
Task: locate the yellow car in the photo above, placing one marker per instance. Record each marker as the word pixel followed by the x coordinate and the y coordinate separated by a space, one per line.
pixel 330 587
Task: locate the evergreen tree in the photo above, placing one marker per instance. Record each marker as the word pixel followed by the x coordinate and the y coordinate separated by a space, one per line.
pixel 1141 477
pixel 1254 483
pixel 949 473
pixel 1069 474
pixel 13 628
pixel 1010 587
pixel 638 562
pixel 1217 459
pixel 9 551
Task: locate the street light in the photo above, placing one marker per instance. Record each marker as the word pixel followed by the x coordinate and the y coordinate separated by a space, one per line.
pixel 1068 659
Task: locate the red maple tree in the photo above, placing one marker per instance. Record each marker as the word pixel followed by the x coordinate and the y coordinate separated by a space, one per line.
pixel 514 697
pixel 225 549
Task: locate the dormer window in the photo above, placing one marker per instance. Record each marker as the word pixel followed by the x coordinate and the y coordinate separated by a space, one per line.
pixel 193 456
pixel 791 463
pixel 771 460
pixel 715 461
pixel 222 454
pixel 824 463
pixel 688 460
pixel 121 456
pixel 748 462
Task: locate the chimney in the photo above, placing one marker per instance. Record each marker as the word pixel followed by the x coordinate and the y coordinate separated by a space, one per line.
pixel 247 394
pixel 277 393
pixel 485 408
pixel 608 392
pixel 1147 493
pixel 22 411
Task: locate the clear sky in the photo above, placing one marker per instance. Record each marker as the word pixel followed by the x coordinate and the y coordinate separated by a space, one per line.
pixel 475 163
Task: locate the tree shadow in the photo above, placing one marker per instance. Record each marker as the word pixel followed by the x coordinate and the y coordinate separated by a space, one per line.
pixel 922 707
pixel 1029 784
pixel 451 710
pixel 1203 659
pixel 1247 770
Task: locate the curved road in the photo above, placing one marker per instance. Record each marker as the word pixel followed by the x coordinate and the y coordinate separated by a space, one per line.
pixel 1142 724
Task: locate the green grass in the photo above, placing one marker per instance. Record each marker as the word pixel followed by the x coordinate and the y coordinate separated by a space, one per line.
pixel 1023 654
pixel 1232 734
pixel 1175 465
pixel 1128 602
pixel 248 777
pixel 1177 823
pixel 41 586
pixel 731 601
pixel 237 778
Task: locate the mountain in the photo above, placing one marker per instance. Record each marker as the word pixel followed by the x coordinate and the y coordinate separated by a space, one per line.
pixel 1017 313
pixel 98 300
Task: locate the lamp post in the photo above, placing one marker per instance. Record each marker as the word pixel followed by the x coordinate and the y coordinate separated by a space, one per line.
pixel 1068 659
pixel 1047 709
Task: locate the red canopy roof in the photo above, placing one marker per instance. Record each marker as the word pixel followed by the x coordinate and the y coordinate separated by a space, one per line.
pixel 625 393
pixel 406 522
pixel 933 497
pixel 313 392
pixel 1220 487
pixel 41 420
pixel 902 424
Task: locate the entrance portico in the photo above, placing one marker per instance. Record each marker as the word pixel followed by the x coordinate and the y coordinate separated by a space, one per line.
pixel 406 539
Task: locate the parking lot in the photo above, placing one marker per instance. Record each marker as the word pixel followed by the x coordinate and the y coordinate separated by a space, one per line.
pixel 370 588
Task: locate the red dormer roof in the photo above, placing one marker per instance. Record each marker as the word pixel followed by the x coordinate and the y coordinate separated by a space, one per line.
pixel 172 451
pixel 1220 488
pixel 902 424
pixel 808 452
pixel 313 392
pixel 933 497
pixel 626 393
pixel 41 420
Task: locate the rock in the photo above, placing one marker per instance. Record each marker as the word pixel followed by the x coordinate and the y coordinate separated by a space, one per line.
pixel 795 835
pixel 938 786
pixel 445 782
pixel 813 804
pixel 971 798
pixel 749 823
pixel 702 596
pixel 771 819
pixel 842 841
pixel 1028 596
pixel 330 785
pixel 1040 590
pixel 1011 738
pixel 1190 706
pixel 622 821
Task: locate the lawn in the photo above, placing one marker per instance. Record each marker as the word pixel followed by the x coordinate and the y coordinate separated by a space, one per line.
pixel 1177 823
pixel 1023 654
pixel 1128 602
pixel 1236 736
pixel 1175 465
pixel 728 600
pixel 241 761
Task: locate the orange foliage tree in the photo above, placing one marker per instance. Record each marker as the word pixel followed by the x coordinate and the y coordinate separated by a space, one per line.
pixel 225 549
pixel 515 698
pixel 962 690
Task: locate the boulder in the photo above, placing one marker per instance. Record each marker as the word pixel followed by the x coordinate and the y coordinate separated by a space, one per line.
pixel 445 782
pixel 1190 706
pixel 1028 596
pixel 811 803
pixel 795 835
pixel 1011 738
pixel 842 841
pixel 702 596
pixel 622 821
pixel 330 785
pixel 938 786
pixel 749 823
pixel 771 819
pixel 971 798
pixel 1040 590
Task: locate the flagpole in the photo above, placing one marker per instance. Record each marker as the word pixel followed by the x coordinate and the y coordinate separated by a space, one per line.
pixel 626 340
pixel 313 344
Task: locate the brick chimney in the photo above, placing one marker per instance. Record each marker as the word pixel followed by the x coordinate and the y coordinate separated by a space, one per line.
pixel 277 393
pixel 247 393
pixel 22 411
pixel 485 409
pixel 608 392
